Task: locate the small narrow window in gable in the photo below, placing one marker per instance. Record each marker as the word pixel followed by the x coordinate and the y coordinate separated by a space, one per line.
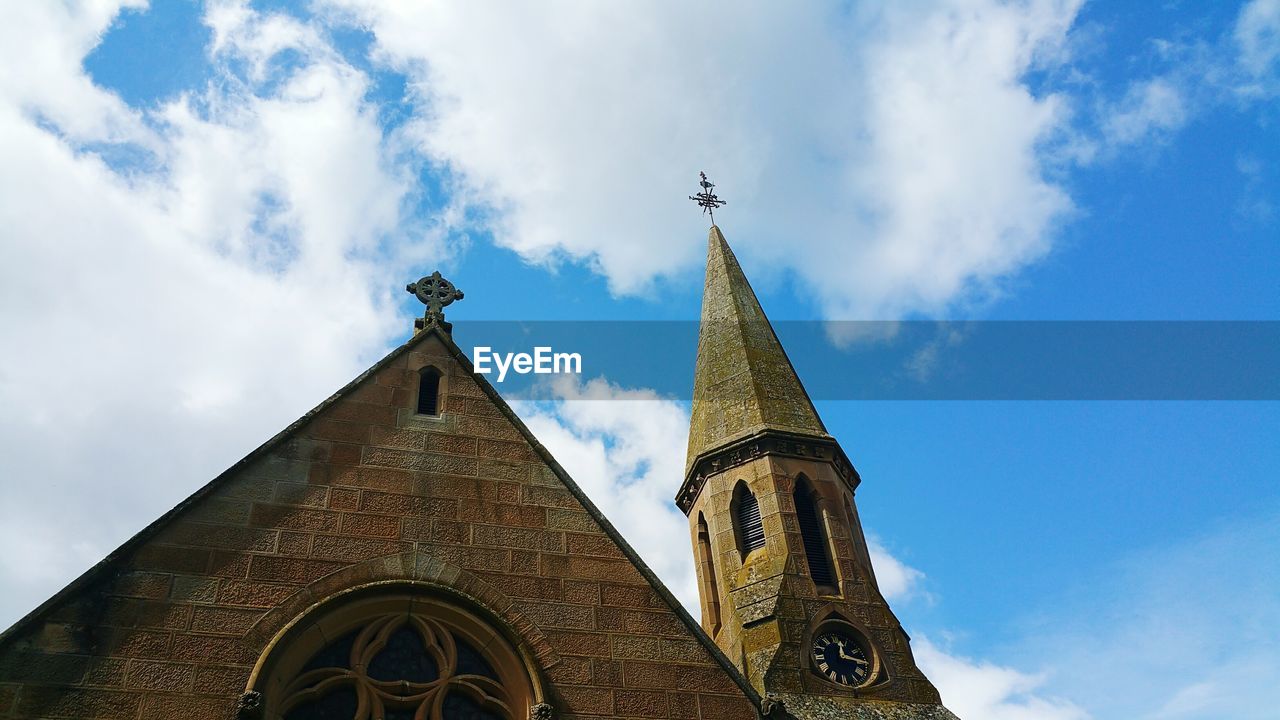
pixel 429 391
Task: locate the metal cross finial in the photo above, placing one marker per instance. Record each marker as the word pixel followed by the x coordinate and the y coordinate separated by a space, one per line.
pixel 435 292
pixel 707 199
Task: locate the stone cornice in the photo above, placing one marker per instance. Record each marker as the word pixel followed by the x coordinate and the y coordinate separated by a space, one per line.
pixel 761 444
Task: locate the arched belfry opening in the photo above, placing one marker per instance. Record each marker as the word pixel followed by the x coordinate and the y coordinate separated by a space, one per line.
pixel 710 586
pixel 748 527
pixel 813 535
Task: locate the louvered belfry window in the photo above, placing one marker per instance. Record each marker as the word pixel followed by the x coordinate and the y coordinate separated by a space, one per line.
pixel 747 518
pixel 815 545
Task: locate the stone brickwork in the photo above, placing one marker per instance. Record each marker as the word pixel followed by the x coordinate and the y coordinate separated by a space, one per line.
pixel 362 490
pixel 770 597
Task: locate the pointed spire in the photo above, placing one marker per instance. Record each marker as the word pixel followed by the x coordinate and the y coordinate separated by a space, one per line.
pixel 743 382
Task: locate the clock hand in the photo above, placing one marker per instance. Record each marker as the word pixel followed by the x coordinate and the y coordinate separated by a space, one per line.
pixel 850 657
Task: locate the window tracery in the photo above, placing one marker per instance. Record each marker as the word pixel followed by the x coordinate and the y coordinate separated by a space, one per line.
pixel 402 657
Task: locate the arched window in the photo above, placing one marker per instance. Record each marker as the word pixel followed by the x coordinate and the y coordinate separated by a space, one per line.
pixel 429 391
pixel 393 656
pixel 811 532
pixel 710 588
pixel 748 526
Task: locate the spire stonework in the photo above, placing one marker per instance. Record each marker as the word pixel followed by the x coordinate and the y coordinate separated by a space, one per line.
pixel 743 382
pixel 802 615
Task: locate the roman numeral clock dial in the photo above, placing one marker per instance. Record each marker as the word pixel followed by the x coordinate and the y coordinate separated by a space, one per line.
pixel 840 658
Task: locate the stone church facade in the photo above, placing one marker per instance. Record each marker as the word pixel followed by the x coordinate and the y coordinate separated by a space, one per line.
pixel 408 550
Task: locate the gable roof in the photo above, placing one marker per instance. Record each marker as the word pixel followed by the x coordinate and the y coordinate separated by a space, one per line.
pixel 102 568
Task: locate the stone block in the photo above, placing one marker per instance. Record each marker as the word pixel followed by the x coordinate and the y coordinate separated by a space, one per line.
pixel 296 544
pixel 393 504
pixel 592 544
pixel 149 585
pixel 567 519
pixel 224 680
pixel 294 570
pixel 480 511
pixel 56 702
pixel 168 707
pixel 640 703
pixel 571 671
pixel 254 594
pixel 352 549
pixel 555 497
pixel 151 675
pixel 344 499
pixel 293 518
pixel 370 526
pixel 587 700
pixel 224 620
pixel 398 438
pixel 724 707
pixel 347 432
pixel 574 642
pixel 212 649
pixel 304 494
pixel 219 537
pixel 515 537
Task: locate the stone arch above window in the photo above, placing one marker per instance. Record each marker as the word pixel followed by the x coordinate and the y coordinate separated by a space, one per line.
pixel 748 527
pixel 395 652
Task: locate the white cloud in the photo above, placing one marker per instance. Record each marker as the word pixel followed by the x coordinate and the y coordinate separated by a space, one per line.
pixel 986 691
pixel 1197 74
pixel 888 154
pixel 1182 632
pixel 198 301
pixel 1154 108
pixel 1185 631
pixel 897 580
pixel 1257 34
pixel 625 448
pixel 43 44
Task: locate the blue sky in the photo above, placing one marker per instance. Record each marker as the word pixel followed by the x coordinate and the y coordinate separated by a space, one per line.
pixel 210 211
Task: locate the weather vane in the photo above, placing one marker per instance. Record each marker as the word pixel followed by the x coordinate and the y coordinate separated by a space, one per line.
pixel 435 292
pixel 707 199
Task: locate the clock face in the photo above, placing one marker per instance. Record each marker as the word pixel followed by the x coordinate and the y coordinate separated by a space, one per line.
pixel 840 658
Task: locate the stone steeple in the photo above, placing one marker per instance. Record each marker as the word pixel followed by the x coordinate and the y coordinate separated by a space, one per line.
pixel 784 574
pixel 744 383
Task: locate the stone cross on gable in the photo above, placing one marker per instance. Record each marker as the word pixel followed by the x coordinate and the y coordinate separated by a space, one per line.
pixel 436 293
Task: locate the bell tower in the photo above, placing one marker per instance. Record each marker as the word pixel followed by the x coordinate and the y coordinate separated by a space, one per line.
pixel 786 583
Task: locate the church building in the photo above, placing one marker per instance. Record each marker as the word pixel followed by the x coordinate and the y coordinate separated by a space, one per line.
pixel 408 550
